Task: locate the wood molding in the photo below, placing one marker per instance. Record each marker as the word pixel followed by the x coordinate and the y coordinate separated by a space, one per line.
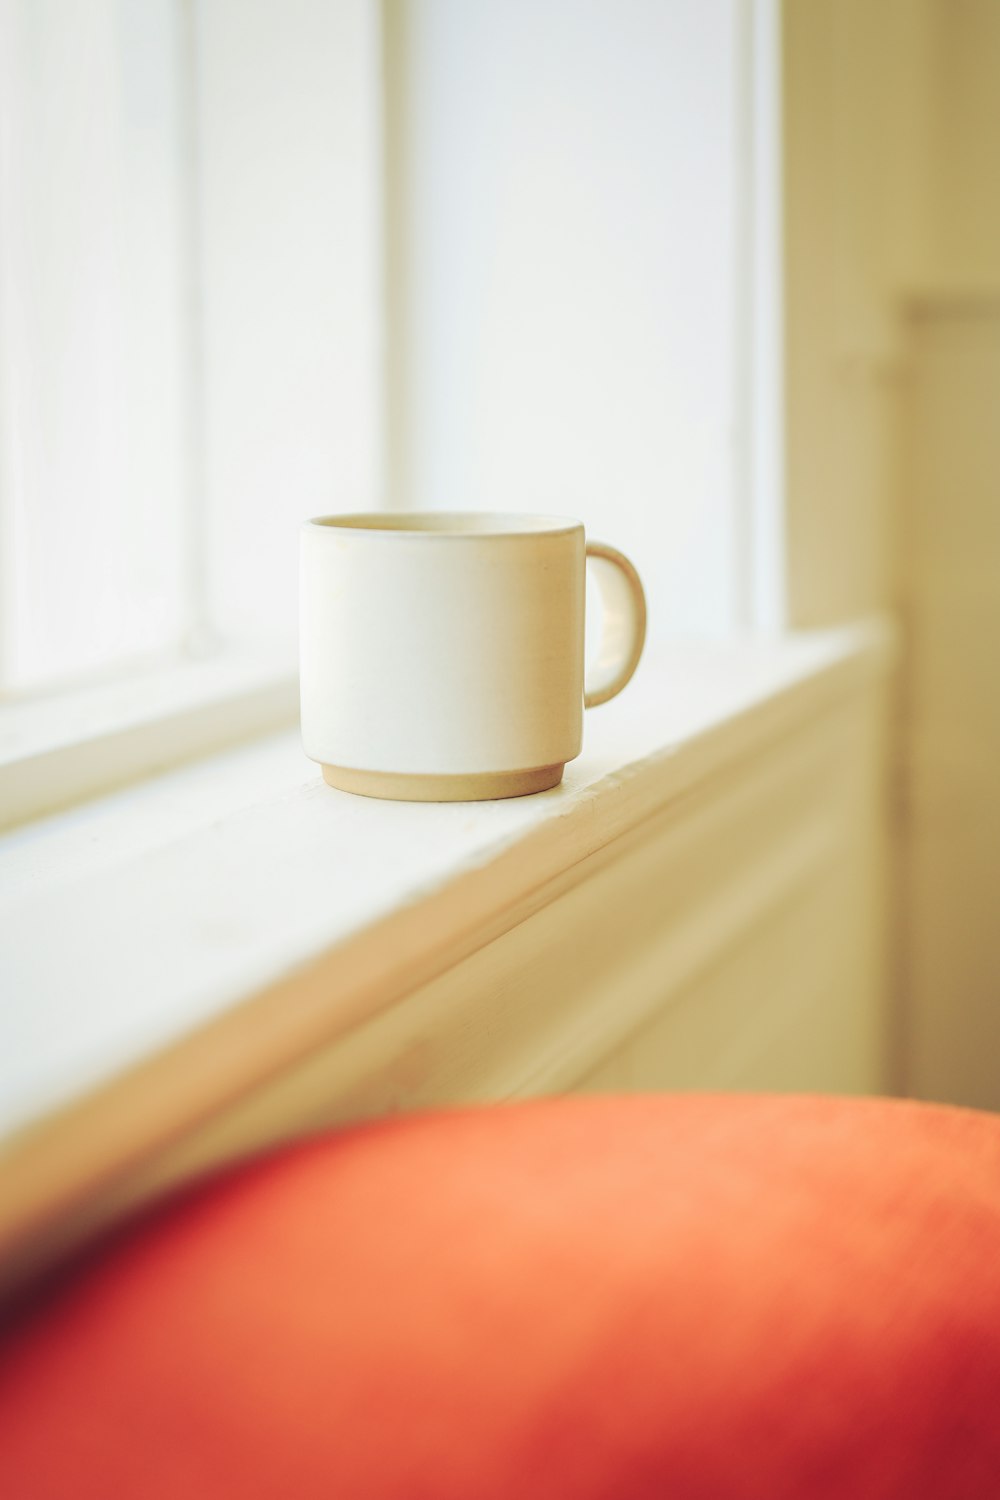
pixel 528 985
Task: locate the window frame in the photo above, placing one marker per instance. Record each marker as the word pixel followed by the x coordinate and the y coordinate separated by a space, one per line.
pixel 62 746
pixel 57 749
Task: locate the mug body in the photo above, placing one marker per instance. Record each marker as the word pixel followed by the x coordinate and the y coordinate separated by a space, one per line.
pixel 442 653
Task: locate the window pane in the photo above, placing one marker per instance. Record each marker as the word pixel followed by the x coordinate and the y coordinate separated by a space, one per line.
pixel 565 217
pixel 288 105
pixel 92 335
pixel 198 293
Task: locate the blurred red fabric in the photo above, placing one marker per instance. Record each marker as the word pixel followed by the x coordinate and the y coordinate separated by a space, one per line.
pixel 687 1296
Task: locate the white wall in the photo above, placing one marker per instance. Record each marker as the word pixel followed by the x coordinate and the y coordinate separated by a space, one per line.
pixel 567 201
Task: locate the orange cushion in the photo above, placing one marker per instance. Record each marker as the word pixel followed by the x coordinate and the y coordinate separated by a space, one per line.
pixel 675 1297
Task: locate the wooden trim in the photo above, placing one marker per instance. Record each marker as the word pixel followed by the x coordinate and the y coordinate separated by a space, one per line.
pixel 734 819
pixel 62 749
pixel 485 1026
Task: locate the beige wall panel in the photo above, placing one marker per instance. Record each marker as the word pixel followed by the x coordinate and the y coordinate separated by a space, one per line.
pixel 952 705
pixel 812 975
pixel 966 123
pixel 892 225
pixel 856 98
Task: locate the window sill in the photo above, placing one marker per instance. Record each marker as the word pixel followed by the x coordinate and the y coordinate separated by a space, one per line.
pixel 174 945
pixel 56 749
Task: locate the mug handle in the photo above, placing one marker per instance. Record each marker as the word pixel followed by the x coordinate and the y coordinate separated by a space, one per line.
pixel 624 632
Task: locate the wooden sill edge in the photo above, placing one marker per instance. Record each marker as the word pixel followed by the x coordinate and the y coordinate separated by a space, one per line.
pixel 58 1161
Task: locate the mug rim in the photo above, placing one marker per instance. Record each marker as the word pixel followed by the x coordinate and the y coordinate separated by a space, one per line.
pixel 450 525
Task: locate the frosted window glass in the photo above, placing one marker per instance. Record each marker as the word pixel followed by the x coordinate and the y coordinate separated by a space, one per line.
pixel 566 252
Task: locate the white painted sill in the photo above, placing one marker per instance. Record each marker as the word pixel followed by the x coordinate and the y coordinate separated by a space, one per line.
pixel 57 749
pixel 170 947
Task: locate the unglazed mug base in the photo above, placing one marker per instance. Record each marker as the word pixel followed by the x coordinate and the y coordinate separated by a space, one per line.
pixel 478 786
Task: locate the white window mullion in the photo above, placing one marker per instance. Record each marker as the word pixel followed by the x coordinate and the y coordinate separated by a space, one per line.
pixel 10 427
pixel 199 635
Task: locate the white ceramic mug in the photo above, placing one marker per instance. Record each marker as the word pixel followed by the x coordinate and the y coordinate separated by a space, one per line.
pixel 443 653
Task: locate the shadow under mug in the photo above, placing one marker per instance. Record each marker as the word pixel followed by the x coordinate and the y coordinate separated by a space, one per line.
pixel 442 653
